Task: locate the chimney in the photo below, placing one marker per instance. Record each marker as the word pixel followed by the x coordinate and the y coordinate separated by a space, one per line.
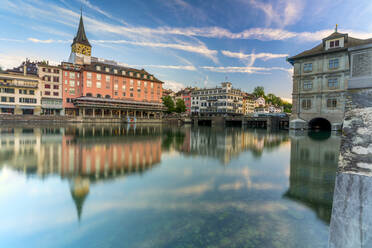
pixel 24 69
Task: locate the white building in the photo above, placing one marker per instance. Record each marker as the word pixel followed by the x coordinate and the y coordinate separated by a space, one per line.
pixel 218 100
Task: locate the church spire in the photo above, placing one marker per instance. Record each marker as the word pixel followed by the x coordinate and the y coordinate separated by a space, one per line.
pixel 81 37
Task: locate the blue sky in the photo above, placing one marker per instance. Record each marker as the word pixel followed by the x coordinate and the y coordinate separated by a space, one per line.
pixel 184 43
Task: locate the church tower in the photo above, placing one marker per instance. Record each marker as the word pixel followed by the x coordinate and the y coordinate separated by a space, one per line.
pixel 81 49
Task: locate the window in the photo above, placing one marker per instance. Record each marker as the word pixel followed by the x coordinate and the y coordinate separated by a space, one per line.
pixel 131 74
pixel 107 96
pixel 116 86
pixel 131 94
pixel 11 99
pixel 335 43
pixel 107 85
pixel 115 71
pixel 145 76
pixel 89 75
pixel 55 94
pixel 122 72
pixel 66 73
pixel 89 94
pixel 131 88
pixel 32 92
pixel 108 78
pixel 131 82
pixel 65 81
pixel 116 93
pixel 107 69
pixel 3 99
pixel 145 84
pixel 138 75
pixel 72 91
pixel 151 77
pixel 72 75
pixel 306 104
pixel 308 85
pixel 47 86
pixel 99 77
pixel 7 90
pixel 27 100
pixel 47 93
pixel 56 71
pixel 123 93
pixel 98 85
pixel 333 63
pixel 98 68
pixel 72 83
pixel 332 83
pixel 138 83
pixel 123 87
pixel 43 69
pixel 99 95
pixel 56 87
pixel 152 85
pixel 331 103
pixel 56 79
pixel 308 67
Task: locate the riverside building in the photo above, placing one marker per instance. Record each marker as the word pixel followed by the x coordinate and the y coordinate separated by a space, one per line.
pixel 95 87
pixel 20 91
pixel 217 101
pixel 320 81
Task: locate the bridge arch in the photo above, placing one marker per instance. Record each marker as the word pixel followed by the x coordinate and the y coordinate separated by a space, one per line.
pixel 320 124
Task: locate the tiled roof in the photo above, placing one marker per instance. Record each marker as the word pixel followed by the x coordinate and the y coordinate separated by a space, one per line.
pixel 319 49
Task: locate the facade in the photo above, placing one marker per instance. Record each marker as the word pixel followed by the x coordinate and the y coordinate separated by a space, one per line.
pixel 51 89
pixel 185 95
pixel 20 92
pixel 320 81
pixel 95 87
pixel 217 101
pixel 248 103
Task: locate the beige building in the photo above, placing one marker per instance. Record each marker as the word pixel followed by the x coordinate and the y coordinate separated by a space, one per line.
pixel 320 80
pixel 51 89
pixel 19 93
pixel 248 103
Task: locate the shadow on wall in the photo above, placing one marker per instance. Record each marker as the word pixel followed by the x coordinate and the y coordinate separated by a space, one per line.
pixel 320 124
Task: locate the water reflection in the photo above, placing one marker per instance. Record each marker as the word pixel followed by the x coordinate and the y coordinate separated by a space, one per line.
pixel 313 170
pixel 154 186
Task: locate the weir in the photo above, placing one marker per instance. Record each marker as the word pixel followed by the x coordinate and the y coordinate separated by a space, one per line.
pixel 351 221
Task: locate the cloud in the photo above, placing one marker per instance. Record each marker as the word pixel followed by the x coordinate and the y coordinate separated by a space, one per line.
pixel 251 58
pixel 173 85
pixel 174 67
pixel 282 12
pixel 201 49
pixel 244 69
pixel 49 41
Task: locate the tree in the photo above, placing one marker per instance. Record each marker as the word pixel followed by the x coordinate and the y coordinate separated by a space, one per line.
pixel 259 91
pixel 287 107
pixel 168 102
pixel 180 106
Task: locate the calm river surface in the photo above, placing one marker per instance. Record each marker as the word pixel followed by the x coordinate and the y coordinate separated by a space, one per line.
pixel 153 186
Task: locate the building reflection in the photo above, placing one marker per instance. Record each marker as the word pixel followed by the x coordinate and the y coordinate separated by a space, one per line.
pixel 221 143
pixel 82 155
pixel 314 159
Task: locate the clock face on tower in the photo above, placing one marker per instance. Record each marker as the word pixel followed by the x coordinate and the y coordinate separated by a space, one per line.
pixel 81 49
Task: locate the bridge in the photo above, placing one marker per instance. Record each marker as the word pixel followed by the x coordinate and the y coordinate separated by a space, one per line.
pixel 264 121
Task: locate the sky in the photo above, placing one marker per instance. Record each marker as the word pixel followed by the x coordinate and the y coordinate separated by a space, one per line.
pixel 183 43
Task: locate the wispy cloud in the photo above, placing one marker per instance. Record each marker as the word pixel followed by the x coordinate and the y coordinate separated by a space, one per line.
pixel 244 69
pixel 251 58
pixel 201 49
pixel 173 67
pixel 49 41
pixel 173 85
pixel 280 12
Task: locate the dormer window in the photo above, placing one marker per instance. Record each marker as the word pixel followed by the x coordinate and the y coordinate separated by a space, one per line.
pixel 122 72
pixel 98 68
pixel 334 43
pixel 107 69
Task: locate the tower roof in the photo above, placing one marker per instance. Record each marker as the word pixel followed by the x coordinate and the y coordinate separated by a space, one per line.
pixel 81 37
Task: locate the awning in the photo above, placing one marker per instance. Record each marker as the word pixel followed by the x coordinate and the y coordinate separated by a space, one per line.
pixel 27 107
pixel 7 106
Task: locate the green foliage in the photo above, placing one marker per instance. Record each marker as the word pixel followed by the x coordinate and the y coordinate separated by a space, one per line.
pixel 180 106
pixel 272 99
pixel 168 102
pixel 259 91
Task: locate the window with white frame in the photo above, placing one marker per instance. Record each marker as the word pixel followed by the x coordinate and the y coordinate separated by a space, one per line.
pixel 89 83
pixel 107 69
pixel 138 83
pixel 332 83
pixel 72 75
pixel 115 71
pixel 99 76
pixel 89 75
pixel 306 104
pixel 334 43
pixel 98 85
pixel 152 85
pixel 123 87
pixel 72 83
pixel 308 85
pixel 98 67
pixel 116 86
pixel 131 82
pixel 308 67
pixel 122 72
pixel 145 84
pixel 333 63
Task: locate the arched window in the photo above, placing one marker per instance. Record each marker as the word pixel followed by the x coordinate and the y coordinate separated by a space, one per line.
pixel 89 94
pixel 99 95
pixel 107 96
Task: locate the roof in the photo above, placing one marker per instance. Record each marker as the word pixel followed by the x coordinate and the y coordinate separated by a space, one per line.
pixel 319 49
pixel 93 67
pixel 81 37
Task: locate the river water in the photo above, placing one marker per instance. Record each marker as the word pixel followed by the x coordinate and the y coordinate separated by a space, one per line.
pixel 159 186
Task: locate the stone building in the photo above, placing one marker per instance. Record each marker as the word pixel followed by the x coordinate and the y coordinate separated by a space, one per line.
pixel 320 80
pixel 51 89
pixel 217 101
